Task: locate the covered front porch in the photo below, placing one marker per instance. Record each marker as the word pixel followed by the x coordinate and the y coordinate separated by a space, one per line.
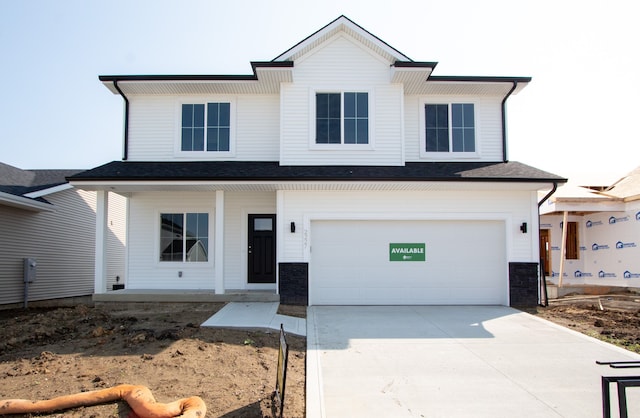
pixel 184 296
pixel 225 264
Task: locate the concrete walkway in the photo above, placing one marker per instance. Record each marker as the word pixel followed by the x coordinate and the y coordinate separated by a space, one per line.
pixel 454 361
pixel 256 316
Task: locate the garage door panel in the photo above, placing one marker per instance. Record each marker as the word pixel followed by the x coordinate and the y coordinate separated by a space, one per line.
pixel 465 263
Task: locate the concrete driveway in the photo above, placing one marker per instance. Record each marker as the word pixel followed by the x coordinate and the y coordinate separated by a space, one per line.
pixel 454 361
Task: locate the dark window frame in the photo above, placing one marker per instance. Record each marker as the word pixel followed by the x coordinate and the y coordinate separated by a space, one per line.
pixel 205 127
pixel 180 232
pixel 342 118
pixel 449 128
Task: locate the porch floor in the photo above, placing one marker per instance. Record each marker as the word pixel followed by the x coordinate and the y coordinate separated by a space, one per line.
pixel 172 295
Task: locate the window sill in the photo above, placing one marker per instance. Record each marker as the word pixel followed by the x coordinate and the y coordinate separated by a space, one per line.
pixel 205 155
pixel 449 155
pixel 341 147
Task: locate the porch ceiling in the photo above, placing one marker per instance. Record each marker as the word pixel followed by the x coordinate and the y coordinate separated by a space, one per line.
pixel 126 188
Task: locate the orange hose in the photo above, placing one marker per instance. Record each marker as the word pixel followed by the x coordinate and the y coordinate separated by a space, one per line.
pixel 139 398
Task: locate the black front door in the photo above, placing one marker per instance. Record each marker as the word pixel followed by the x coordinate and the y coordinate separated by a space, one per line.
pixel 262 249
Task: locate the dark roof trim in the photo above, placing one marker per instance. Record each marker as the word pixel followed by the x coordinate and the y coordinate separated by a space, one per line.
pixel 415 64
pixel 479 79
pixel 510 172
pixel 202 77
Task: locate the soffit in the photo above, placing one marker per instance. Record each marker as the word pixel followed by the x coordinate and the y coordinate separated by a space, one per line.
pixel 127 187
pixel 268 82
pixel 458 88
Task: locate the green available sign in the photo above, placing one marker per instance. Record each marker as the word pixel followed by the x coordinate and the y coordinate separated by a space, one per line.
pixel 406 252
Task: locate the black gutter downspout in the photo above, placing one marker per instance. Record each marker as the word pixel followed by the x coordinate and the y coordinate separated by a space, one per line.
pixel 544 300
pixel 504 122
pixel 126 121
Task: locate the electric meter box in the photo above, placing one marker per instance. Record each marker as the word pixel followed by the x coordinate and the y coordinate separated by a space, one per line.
pixel 30 265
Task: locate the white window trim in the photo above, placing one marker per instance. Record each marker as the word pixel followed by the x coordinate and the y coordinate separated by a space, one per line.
pixel 370 146
pixel 448 155
pixel 206 155
pixel 185 264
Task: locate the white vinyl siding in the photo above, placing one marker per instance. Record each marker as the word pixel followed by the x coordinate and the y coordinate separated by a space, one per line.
pixel 116 239
pixel 152 127
pixel 488 126
pixel 155 122
pixel 62 242
pixel 342 65
pixel 511 206
pixel 146 272
pixel 237 207
pixel 258 128
pixel 145 269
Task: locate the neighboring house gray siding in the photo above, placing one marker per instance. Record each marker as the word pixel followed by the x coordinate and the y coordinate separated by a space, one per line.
pixel 62 242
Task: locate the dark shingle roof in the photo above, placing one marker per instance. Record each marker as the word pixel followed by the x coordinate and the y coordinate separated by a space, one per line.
pixel 18 182
pixel 273 171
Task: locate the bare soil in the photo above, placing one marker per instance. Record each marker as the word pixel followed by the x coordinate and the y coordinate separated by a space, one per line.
pixel 46 353
pixel 614 318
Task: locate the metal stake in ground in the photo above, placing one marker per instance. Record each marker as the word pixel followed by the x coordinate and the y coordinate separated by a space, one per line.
pixel 283 355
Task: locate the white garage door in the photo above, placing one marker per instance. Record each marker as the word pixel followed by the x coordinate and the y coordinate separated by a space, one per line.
pixel 464 262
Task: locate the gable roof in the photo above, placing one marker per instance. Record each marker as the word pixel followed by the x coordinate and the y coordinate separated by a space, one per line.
pixel 343 24
pixel 26 188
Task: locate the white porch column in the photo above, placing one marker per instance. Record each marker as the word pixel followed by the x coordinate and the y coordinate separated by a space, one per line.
pixel 218 259
pixel 100 268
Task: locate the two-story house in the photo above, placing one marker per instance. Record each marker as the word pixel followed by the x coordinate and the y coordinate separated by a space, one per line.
pixel 340 172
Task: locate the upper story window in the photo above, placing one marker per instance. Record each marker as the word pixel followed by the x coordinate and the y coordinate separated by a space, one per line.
pixel 449 127
pixel 342 118
pixel 206 127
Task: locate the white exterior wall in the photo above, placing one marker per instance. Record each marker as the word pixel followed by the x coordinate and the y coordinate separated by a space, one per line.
pixel 155 121
pixel 62 243
pixel 116 239
pixel 341 65
pixel 145 270
pixel 609 248
pixel 511 207
pixel 488 124
pixel 238 205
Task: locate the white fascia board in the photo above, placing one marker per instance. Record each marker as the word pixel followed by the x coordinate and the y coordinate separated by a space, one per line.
pixel 25 203
pixel 48 191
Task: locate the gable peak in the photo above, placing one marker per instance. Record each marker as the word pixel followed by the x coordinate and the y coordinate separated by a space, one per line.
pixel 346 25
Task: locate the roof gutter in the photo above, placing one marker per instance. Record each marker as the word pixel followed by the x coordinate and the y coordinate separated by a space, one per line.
pixel 126 120
pixel 548 195
pixel 504 121
pixel 544 298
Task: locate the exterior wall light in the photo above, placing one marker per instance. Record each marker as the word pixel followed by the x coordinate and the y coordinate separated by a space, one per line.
pixel 523 227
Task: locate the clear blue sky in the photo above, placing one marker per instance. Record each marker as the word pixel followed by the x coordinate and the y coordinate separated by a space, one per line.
pixel 576 118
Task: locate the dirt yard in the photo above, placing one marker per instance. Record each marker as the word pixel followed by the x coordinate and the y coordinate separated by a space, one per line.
pixel 45 353
pixel 613 318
